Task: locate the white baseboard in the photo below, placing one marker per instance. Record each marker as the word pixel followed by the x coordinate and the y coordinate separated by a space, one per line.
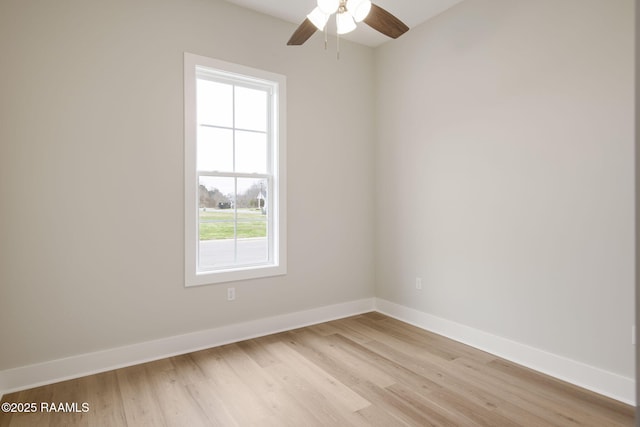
pixel 30 376
pixel 574 372
pixel 589 377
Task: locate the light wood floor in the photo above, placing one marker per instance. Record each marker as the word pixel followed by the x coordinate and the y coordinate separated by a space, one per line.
pixel 361 371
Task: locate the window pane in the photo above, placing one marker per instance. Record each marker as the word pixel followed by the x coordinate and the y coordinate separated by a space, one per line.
pixel 213 190
pixel 215 149
pixel 251 109
pixel 216 222
pixel 253 251
pixel 252 193
pixel 214 103
pixel 216 253
pixel 251 152
pixel 252 221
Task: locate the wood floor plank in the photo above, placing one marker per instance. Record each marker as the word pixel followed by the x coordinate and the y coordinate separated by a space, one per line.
pixel 323 329
pixel 236 395
pixel 395 405
pixel 478 414
pixel 375 416
pixel 105 400
pixel 429 340
pixel 420 339
pixel 574 402
pixel 283 410
pixel 177 405
pixel 322 409
pixel 258 351
pixel 212 403
pixel 321 380
pixel 438 414
pixel 461 383
pixel 347 332
pixel 140 406
pixel 358 366
pixel 378 333
pixel 390 367
pixel 365 370
pixel 444 376
pixel 527 396
pixel 561 389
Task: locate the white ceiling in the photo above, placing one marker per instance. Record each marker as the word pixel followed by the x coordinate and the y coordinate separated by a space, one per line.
pixel 411 12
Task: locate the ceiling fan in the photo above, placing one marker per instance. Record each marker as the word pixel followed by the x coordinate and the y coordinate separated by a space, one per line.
pixel 348 13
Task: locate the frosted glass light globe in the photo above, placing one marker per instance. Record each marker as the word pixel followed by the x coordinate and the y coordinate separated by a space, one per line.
pixel 359 9
pixel 345 23
pixel 328 6
pixel 318 18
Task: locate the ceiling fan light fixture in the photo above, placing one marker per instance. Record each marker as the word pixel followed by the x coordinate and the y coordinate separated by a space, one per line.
pixel 348 13
pixel 359 9
pixel 345 23
pixel 318 18
pixel 328 6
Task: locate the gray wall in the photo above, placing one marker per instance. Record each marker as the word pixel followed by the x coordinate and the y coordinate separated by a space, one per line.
pixel 505 173
pixel 91 172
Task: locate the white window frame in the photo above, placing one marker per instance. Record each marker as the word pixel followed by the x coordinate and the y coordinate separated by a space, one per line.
pixel 277 234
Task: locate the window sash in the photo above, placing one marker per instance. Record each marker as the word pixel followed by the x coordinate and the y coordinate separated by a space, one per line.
pixel 270 229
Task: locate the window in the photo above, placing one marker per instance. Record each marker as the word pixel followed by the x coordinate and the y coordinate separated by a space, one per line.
pixel 235 225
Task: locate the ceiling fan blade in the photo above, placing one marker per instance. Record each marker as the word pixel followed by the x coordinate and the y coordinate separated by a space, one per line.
pixel 302 33
pixel 381 20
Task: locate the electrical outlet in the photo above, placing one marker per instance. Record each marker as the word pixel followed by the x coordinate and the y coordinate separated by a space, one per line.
pixel 231 294
pixel 418 283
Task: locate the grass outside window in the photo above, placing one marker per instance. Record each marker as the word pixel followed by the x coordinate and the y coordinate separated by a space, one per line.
pixel 218 224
